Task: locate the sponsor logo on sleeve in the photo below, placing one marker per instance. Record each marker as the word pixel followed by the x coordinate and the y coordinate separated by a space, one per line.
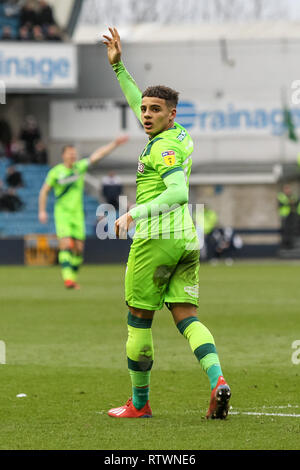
pixel 181 136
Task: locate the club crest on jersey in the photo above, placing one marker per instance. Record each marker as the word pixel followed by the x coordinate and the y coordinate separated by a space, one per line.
pixel 169 157
pixel 141 167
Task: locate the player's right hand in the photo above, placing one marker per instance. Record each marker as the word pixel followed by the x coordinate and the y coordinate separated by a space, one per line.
pixel 122 139
pixel 43 217
pixel 113 44
pixel 122 225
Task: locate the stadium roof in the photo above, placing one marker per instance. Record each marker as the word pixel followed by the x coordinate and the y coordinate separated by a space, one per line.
pixel 153 32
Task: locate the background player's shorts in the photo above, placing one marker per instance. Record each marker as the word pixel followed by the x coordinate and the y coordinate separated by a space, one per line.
pixel 161 271
pixel 70 225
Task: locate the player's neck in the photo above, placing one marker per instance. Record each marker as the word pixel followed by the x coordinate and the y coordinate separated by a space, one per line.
pixel 68 165
pixel 170 126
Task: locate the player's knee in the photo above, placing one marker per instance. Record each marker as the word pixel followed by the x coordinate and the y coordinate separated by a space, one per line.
pixel 79 247
pixel 66 244
pixel 141 313
pixel 182 311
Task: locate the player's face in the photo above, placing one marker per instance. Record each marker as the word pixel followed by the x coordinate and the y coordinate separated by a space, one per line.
pixel 69 156
pixel 156 115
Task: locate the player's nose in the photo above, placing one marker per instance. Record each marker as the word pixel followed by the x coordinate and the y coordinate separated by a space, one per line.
pixel 147 113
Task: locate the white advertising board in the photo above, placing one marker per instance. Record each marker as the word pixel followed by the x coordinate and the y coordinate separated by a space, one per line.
pixel 38 67
pixel 94 119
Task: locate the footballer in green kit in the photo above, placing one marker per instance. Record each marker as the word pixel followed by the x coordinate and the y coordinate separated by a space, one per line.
pixel 163 262
pixel 67 181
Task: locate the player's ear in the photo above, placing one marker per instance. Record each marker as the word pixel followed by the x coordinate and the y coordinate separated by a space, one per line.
pixel 173 112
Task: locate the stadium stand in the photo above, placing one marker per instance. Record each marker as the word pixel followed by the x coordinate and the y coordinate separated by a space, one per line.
pixel 29 20
pixel 9 21
pixel 25 221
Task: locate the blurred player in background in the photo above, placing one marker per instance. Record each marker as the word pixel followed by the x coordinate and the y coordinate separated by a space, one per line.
pixel 288 203
pixel 67 181
pixel 163 262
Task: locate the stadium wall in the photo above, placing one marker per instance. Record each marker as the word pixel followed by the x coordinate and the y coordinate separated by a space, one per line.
pixel 13 252
pixel 198 71
pixel 204 79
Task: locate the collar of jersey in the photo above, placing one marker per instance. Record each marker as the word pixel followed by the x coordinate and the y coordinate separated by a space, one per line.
pixel 171 128
pixel 148 147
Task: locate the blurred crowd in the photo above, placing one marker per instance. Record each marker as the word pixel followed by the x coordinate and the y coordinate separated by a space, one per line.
pixel 28 20
pixel 9 199
pixel 27 146
pixel 289 212
pixel 219 243
pixel 112 189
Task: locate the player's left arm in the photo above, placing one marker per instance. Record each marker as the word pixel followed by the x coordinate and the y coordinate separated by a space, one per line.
pixel 166 158
pixel 101 152
pixel 175 194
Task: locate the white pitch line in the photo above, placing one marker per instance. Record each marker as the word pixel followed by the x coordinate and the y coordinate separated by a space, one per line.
pixel 254 413
pixel 271 407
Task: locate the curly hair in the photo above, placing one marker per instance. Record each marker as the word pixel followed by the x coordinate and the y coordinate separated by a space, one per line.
pixel 163 92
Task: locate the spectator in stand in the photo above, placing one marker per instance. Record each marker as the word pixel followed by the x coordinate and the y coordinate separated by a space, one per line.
pixel 5 135
pixel 18 152
pixel 40 153
pixel 45 19
pixel 25 34
pixel 10 201
pixel 14 177
pixel 112 189
pixel 30 134
pixel 45 15
pixel 28 15
pixel 7 34
pixel 37 33
pixel 53 33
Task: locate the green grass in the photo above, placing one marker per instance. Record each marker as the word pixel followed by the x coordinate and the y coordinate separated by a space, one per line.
pixel 66 351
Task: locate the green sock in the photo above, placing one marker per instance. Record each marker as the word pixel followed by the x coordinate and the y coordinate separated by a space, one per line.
pixel 214 372
pixel 77 260
pixel 65 261
pixel 140 354
pixel 203 346
pixel 140 396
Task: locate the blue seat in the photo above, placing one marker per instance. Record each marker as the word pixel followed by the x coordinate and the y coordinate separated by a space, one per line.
pixel 26 221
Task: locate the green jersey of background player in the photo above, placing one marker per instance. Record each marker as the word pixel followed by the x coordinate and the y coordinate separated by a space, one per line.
pixel 164 257
pixel 67 181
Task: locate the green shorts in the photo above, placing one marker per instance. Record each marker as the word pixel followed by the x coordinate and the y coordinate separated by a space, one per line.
pixel 69 225
pixel 162 271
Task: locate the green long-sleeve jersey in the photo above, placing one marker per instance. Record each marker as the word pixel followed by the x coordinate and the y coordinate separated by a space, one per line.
pixel 68 186
pixel 164 168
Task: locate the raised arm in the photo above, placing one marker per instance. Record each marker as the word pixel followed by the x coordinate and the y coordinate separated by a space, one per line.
pixel 101 152
pixel 130 89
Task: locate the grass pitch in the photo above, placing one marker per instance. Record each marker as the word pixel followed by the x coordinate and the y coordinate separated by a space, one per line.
pixel 65 350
